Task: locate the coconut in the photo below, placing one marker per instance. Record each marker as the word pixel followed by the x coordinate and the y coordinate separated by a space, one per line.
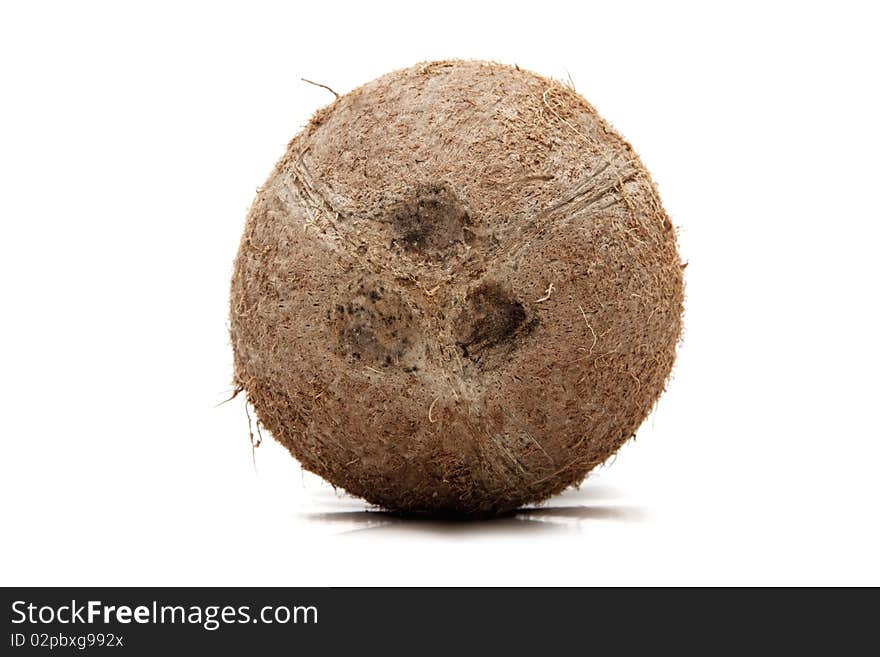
pixel 458 291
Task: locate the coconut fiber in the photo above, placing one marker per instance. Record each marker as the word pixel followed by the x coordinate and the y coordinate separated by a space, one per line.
pixel 457 292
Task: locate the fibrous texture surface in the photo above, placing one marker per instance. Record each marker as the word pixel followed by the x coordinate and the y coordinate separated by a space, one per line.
pixel 457 292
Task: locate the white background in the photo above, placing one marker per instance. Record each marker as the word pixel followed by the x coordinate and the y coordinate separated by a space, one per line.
pixel 132 140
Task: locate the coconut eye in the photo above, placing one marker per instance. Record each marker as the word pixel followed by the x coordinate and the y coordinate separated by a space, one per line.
pixel 429 222
pixel 491 319
pixel 374 326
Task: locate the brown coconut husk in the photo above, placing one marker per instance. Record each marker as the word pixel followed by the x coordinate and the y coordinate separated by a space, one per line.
pixel 457 292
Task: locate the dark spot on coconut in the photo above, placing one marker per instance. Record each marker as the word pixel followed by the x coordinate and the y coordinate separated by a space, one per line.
pixel 376 329
pixel 491 318
pixel 429 222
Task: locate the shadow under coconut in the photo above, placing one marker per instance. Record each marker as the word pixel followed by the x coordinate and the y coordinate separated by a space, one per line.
pixel 563 517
